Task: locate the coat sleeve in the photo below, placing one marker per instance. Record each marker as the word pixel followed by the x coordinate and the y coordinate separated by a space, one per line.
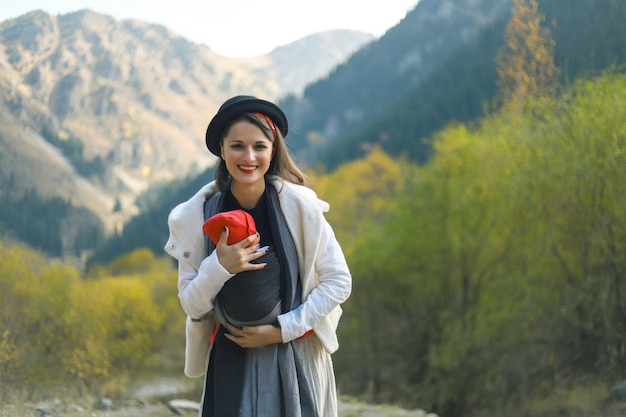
pixel 197 289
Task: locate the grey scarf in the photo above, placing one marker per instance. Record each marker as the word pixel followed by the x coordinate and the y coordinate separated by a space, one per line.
pixel 224 386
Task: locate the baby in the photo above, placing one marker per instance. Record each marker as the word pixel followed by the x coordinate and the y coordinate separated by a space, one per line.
pixel 250 298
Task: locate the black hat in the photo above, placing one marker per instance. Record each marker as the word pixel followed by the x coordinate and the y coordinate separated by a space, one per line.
pixel 235 106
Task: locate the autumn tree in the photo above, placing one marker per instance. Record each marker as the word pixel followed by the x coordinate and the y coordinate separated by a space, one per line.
pixel 361 193
pixel 97 333
pixel 525 63
pixel 496 278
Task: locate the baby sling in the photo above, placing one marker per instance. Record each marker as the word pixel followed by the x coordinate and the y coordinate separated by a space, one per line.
pixel 227 361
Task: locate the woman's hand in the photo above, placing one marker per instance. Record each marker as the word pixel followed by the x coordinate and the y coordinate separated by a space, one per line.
pixel 238 257
pixel 254 336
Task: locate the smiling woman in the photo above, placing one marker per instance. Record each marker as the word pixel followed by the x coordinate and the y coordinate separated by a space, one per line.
pixel 227 27
pixel 266 320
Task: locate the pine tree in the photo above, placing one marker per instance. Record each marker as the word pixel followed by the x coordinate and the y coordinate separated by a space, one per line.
pixel 525 63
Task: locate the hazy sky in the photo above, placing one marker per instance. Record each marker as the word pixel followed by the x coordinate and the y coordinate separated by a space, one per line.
pixel 236 27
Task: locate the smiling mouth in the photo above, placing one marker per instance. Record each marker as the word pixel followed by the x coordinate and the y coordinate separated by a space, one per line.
pixel 248 168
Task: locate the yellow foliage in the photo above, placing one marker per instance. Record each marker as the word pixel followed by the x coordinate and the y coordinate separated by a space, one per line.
pixel 7 357
pixel 119 316
pixel 138 261
pixel 525 63
pixel 361 193
pixel 55 325
pixel 501 269
pixel 88 361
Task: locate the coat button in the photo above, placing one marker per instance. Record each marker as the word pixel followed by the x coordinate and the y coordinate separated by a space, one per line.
pixel 186 255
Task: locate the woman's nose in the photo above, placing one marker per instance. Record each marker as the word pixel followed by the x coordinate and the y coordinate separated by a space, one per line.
pixel 249 153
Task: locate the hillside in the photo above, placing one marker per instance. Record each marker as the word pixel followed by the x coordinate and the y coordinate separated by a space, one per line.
pixel 375 77
pixel 362 104
pixel 101 134
pixel 94 111
pixel 457 89
pixel 589 36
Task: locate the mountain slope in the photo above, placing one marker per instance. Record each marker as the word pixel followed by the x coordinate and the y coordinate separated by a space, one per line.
pixel 95 110
pixel 381 72
pixel 590 37
pixel 308 58
pixel 458 89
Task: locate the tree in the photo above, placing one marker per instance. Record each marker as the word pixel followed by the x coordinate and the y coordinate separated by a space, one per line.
pixel 525 63
pixel 497 279
pixel 361 193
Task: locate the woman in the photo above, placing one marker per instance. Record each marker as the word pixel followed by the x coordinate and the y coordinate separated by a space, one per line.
pixel 283 368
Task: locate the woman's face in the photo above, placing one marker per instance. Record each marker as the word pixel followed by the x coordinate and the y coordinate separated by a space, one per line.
pixel 247 153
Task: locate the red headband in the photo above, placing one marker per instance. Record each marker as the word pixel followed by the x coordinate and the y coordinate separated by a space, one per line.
pixel 269 122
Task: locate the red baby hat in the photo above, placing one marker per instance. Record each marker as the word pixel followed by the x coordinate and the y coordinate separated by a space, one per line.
pixel 239 222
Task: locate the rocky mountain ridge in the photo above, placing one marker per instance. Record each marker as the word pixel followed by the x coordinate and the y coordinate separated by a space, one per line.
pixel 127 99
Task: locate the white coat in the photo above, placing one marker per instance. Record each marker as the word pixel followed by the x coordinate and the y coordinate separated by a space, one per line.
pixel 326 279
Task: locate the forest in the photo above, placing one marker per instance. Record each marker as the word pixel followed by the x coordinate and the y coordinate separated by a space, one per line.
pixel 488 280
pixel 499 266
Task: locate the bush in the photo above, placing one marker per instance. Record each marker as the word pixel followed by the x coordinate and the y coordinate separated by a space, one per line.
pixel 57 327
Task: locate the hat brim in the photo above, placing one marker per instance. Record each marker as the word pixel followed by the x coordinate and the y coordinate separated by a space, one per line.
pixel 228 112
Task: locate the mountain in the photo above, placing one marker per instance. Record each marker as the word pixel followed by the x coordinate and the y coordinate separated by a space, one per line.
pixel 339 123
pixel 368 82
pixel 94 111
pixel 458 88
pixel 294 66
pixel 381 72
pixel 433 68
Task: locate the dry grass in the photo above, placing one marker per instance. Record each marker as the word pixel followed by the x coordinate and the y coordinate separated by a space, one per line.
pixel 588 400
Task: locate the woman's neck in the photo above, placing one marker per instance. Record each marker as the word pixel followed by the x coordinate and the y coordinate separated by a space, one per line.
pixel 247 195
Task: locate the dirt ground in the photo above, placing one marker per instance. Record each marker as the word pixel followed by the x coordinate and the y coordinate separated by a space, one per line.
pixel 165 397
pixel 169 397
pixel 159 408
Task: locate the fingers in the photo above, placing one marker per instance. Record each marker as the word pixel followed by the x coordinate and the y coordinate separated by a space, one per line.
pixel 224 237
pixel 252 240
pixel 249 241
pixel 254 336
pixel 239 256
pixel 251 253
pixel 236 335
pixel 235 331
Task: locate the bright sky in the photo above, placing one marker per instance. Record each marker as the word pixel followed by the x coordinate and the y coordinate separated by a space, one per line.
pixel 236 27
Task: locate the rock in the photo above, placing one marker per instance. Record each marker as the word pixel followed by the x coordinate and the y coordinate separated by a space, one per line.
pixel 104 404
pixel 619 391
pixel 75 408
pixel 180 407
pixel 43 412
